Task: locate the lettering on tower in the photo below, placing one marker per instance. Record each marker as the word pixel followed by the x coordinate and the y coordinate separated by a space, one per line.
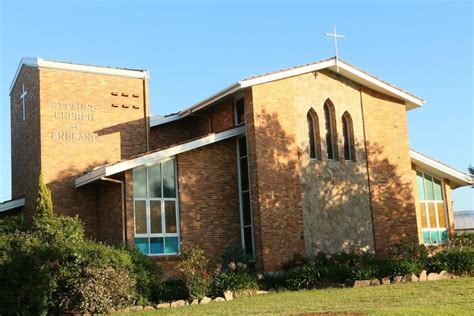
pixel 74 116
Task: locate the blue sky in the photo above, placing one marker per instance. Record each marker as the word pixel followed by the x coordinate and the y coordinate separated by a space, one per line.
pixel 193 49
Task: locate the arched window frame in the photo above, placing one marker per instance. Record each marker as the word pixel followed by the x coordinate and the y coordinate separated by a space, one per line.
pixel 348 137
pixel 314 137
pixel 331 130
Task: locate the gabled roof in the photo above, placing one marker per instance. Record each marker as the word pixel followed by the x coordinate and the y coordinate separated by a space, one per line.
pixel 150 157
pixel 456 177
pixel 345 69
pixel 61 65
pixel 12 204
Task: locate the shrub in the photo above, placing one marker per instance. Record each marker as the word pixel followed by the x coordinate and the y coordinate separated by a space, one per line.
pixel 304 277
pixel 194 267
pixel 171 290
pixel 455 260
pixel 145 271
pixel 296 262
pixel 234 254
pixel 232 281
pixel 26 283
pixel 98 290
pixel 272 281
pixel 54 269
pixel 408 266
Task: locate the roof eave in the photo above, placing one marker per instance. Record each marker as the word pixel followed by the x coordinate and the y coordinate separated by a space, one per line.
pixel 145 159
pixel 12 204
pixel 42 63
pixel 456 177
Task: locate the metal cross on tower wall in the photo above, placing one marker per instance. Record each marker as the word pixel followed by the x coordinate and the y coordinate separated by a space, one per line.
pixel 23 97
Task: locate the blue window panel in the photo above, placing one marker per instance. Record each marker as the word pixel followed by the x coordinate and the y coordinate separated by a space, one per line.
pixel 156 245
pixel 434 237
pixel 444 236
pixel 171 245
pixel 421 187
pixel 426 237
pixel 141 244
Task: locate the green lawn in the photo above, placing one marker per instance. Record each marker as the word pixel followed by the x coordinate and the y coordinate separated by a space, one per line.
pixel 452 297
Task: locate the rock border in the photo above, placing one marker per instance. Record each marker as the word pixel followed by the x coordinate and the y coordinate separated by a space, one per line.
pixel 410 277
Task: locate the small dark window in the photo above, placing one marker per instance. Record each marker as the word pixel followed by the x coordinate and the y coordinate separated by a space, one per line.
pixel 239 111
pixel 313 135
pixel 331 133
pixel 348 134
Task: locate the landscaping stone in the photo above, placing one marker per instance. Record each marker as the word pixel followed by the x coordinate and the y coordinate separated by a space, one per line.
pixel 423 276
pixel 433 276
pixel 228 296
pixel 414 278
pixel 243 293
pixel 444 275
pixel 219 299
pixel 407 278
pixel 385 281
pixel 135 308
pixel 262 292
pixel 397 279
pixel 194 302
pixel 163 305
pixel 374 282
pixel 178 303
pixel 361 283
pixel 148 308
pixel 205 300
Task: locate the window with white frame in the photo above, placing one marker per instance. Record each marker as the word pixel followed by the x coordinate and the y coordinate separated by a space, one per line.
pixel 246 222
pixel 156 208
pixel 432 209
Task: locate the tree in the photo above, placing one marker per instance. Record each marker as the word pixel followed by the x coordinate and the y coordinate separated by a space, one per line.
pixel 44 207
pixel 44 203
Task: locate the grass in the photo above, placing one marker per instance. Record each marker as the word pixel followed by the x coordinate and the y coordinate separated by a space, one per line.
pixel 451 297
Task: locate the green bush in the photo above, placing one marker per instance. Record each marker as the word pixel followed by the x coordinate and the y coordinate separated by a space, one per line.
pixel 98 290
pixel 232 281
pixel 194 267
pixel 146 271
pixel 171 290
pixel 54 269
pixel 455 260
pixel 27 282
pixel 233 255
pixel 272 281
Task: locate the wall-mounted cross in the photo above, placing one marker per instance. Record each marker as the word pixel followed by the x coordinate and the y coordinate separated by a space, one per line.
pixel 336 36
pixel 23 97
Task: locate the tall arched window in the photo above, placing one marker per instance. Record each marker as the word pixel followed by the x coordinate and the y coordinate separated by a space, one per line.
pixel 313 135
pixel 348 134
pixel 331 132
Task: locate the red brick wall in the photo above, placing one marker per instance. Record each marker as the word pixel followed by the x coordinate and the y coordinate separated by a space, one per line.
pixel 64 140
pixel 117 120
pixel 25 140
pixel 208 202
pixel 271 134
pixel 213 120
pixel 389 167
pixel 109 212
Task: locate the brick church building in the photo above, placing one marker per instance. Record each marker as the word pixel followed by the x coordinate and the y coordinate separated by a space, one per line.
pixel 297 161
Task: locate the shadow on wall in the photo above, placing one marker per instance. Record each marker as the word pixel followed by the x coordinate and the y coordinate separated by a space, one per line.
pixel 132 137
pixel 329 200
pixel 83 201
